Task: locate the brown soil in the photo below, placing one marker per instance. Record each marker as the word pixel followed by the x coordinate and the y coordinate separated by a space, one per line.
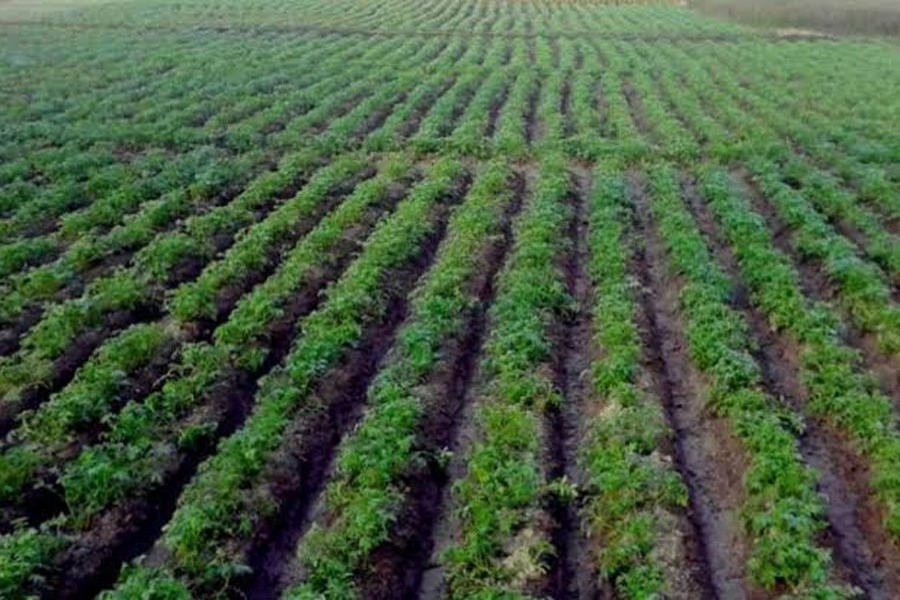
pixel 574 573
pixel 297 473
pixel 397 568
pixel 345 249
pixel 816 286
pixel 863 553
pixel 130 530
pixel 412 124
pixel 710 458
pixel 150 310
pixel 684 558
pixel 443 527
pixel 494 114
pixel 636 107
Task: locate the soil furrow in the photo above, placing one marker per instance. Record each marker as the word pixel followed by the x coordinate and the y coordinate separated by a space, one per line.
pixel 494 114
pixel 399 567
pixel 864 556
pixel 533 130
pixel 152 308
pixel 711 460
pixel 636 108
pixel 438 532
pixel 298 472
pixel 565 105
pixel 573 575
pixel 10 336
pixel 128 531
pixel 151 377
pixel 816 286
pixel 412 124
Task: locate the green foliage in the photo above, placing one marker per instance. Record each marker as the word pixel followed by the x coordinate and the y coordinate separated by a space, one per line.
pixel 783 513
pixel 498 552
pixel 365 495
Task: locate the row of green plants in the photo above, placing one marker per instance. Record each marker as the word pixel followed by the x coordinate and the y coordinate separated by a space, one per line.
pixel 620 17
pixel 367 492
pixel 245 333
pixel 862 288
pixel 356 84
pixel 783 514
pixel 631 489
pixel 42 283
pixel 837 390
pixel 820 189
pixel 142 444
pixel 859 158
pixel 204 539
pixel 439 120
pixel 261 244
pixel 66 429
pixel 132 287
pixel 27 290
pixel 46 434
pixel 468 137
pixel 151 176
pixel 501 544
pixel 510 135
pixel 675 141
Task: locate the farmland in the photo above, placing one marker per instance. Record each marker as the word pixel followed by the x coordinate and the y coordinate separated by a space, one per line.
pixel 445 299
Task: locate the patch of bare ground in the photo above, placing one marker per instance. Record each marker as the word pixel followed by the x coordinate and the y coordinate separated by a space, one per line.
pixel 710 458
pixel 573 574
pixel 636 108
pixel 800 33
pixel 131 529
pixel 494 114
pixel 817 287
pixel 864 555
pixel 295 476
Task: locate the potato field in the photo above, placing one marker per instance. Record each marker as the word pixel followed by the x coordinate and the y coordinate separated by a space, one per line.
pixel 466 299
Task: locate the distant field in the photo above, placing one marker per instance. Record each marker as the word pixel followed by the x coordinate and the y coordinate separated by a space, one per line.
pixel 880 17
pixel 445 299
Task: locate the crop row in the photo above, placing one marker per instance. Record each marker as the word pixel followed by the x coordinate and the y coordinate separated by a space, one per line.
pixel 227 484
pixel 377 464
pixel 837 391
pixel 498 503
pixel 631 487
